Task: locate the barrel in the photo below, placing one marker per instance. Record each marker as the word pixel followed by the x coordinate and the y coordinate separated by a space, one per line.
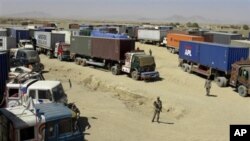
pixel 4 70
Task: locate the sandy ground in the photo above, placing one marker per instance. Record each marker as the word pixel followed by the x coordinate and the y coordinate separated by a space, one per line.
pixel 120 109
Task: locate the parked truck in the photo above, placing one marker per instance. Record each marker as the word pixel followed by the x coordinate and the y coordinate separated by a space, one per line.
pixel 62 51
pixel 26 57
pixel 117 55
pixel 223 63
pixel 173 40
pixel 7 43
pixel 46 41
pixel 154 36
pixel 40 122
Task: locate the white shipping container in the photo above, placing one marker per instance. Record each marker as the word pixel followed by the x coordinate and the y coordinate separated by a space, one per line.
pixel 67 34
pixel 151 35
pixel 7 43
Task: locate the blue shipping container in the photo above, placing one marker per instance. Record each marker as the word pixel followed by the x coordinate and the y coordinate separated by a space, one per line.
pixel 19 34
pixel 96 33
pixel 216 56
pixel 4 70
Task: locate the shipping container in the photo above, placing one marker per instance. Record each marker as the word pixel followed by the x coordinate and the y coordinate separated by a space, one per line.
pixel 111 49
pixel 7 43
pixel 19 33
pixel 222 38
pixel 216 56
pixel 4 70
pixel 3 32
pixel 81 45
pixel 151 35
pixel 173 40
pixel 241 43
pixel 96 33
pixel 75 32
pixel 67 34
pixel 47 40
pixel 74 26
pixel 46 29
pixel 131 31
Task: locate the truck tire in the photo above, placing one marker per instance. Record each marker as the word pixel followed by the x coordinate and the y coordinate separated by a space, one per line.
pixel 184 67
pixel 134 75
pixel 115 70
pixel 189 69
pixel 221 81
pixel 242 90
pixel 83 62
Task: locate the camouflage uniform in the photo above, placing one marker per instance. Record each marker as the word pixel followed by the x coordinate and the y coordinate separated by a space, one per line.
pixel 208 86
pixel 157 109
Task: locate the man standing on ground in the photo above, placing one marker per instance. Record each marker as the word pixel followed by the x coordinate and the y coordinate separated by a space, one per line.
pixel 157 109
pixel 150 52
pixel 208 86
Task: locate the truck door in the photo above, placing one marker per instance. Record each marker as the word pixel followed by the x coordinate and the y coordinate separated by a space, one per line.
pixel 243 76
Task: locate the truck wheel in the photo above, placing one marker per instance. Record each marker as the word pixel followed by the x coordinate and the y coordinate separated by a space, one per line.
pixel 188 68
pixel 83 62
pixel 242 90
pixel 114 70
pixel 184 67
pixel 221 81
pixel 59 57
pixel 134 75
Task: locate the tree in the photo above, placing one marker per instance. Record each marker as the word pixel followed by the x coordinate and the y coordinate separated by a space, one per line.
pixel 245 27
pixel 195 25
pixel 189 24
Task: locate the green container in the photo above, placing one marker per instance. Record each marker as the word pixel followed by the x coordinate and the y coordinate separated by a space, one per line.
pixel 81 45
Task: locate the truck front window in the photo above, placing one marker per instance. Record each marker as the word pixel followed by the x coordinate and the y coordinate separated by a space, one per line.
pixel 44 94
pixel 58 92
pixel 13 92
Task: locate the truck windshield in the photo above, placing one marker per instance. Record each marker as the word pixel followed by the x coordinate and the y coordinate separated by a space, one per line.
pixel 58 93
pixel 33 56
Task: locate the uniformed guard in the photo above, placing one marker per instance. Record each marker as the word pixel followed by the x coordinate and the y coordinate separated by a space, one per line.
pixel 208 86
pixel 157 109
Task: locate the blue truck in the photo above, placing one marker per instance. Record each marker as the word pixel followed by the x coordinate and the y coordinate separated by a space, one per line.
pixel 226 64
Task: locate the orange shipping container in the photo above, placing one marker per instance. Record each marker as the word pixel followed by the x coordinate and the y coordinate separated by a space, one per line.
pixel 173 39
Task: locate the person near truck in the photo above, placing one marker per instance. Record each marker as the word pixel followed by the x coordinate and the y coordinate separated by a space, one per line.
pixel 208 86
pixel 157 109
pixel 150 52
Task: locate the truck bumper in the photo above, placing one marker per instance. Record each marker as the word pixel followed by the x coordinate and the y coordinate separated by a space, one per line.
pixel 150 75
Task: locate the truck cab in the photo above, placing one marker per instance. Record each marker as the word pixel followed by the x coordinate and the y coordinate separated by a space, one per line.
pixel 240 78
pixel 26 57
pixel 50 122
pixel 41 91
pixel 139 65
pixel 62 51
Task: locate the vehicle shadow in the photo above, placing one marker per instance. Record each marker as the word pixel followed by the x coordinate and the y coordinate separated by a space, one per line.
pixel 212 95
pixel 83 124
pixel 165 122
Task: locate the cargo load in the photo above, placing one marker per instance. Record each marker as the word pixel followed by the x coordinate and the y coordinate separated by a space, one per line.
pixel 221 38
pixel 96 33
pixel 245 43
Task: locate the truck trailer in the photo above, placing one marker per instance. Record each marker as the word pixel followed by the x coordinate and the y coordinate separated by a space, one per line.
pixel 117 55
pixel 154 36
pixel 7 43
pixel 225 64
pixel 46 41
pixel 173 40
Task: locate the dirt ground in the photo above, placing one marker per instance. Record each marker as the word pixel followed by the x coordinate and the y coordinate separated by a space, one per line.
pixel 120 109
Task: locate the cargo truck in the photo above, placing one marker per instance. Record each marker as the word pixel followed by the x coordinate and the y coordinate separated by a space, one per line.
pixel 154 36
pixel 117 55
pixel 7 43
pixel 223 63
pixel 221 37
pixel 173 40
pixel 62 51
pixel 39 122
pixel 46 41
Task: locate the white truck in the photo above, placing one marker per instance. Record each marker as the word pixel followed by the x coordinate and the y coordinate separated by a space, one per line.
pixel 67 34
pixel 41 91
pixel 152 35
pixel 7 43
pixel 46 41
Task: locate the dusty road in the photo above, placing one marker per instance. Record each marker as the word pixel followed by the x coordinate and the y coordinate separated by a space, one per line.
pixel 120 109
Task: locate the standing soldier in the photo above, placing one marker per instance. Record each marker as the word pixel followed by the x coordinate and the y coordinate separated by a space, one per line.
pixel 157 109
pixel 208 86
pixel 150 52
